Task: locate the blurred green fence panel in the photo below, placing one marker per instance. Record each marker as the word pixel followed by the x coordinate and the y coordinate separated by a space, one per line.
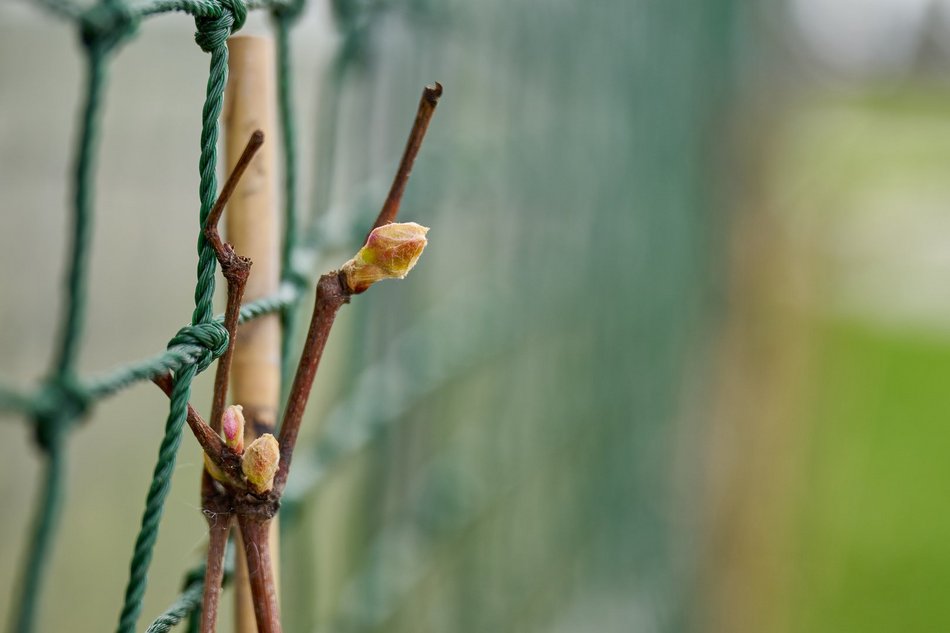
pixel 515 404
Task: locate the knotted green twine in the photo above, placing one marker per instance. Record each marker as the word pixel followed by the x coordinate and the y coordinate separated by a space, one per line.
pixel 211 36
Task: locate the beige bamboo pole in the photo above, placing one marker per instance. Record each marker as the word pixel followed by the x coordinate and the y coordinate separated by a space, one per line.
pixel 252 226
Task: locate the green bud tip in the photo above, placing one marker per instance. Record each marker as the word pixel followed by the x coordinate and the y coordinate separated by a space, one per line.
pixel 390 252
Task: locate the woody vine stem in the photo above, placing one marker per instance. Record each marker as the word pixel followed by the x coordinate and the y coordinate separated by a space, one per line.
pixel 246 484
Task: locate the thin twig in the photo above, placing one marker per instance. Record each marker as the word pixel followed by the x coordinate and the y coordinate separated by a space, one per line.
pixel 235 270
pixel 254 513
pixel 427 103
pixel 332 293
pixel 212 444
pixel 255 532
pixel 214 216
pixel 215 500
pixel 219 525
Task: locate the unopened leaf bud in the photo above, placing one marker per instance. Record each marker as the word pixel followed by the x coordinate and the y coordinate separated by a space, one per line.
pixel 232 423
pixel 390 252
pixel 260 462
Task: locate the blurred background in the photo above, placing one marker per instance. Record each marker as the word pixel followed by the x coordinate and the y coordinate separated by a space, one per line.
pixel 675 359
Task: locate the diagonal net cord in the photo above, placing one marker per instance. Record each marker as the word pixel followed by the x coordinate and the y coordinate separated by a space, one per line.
pixel 211 36
pixel 63 398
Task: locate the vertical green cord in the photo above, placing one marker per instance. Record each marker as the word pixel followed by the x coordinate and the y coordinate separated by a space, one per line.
pixel 211 36
pixel 288 315
pixel 44 526
pixel 208 186
pixel 194 620
pixel 71 325
pixel 155 502
pixel 74 318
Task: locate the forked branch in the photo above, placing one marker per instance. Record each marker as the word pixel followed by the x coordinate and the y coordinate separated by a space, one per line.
pixel 335 288
pixel 390 251
pixel 218 492
pixel 227 461
pixel 235 270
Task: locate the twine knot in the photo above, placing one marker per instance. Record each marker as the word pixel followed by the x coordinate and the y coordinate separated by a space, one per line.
pixel 211 337
pixel 106 25
pixel 211 33
pixel 59 403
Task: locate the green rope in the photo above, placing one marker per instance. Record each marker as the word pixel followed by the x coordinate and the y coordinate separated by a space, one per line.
pixel 173 359
pixel 102 27
pixel 305 255
pixel 194 621
pixel 71 325
pixel 49 508
pixel 212 40
pixel 211 36
pixel 155 501
pixel 63 398
pixel 196 8
pixel 355 422
pixel 186 603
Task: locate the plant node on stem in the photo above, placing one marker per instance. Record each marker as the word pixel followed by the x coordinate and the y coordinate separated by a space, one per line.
pixel 226 460
pixel 223 474
pixel 235 270
pixel 390 251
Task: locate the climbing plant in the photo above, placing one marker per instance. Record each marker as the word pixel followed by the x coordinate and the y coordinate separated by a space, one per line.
pixel 534 380
pixel 66 397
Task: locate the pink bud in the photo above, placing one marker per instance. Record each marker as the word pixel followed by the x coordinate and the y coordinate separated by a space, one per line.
pixel 232 423
pixel 390 252
pixel 260 462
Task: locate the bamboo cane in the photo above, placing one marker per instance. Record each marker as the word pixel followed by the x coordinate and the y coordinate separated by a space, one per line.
pixel 252 226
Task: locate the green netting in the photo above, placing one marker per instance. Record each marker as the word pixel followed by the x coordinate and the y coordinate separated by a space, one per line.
pixel 64 397
pixel 549 328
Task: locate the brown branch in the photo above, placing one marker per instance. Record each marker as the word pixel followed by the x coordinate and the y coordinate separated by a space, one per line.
pixel 235 270
pixel 212 444
pixel 427 103
pixel 332 293
pixel 214 216
pixel 215 500
pixel 255 512
pixel 219 525
pixel 255 532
